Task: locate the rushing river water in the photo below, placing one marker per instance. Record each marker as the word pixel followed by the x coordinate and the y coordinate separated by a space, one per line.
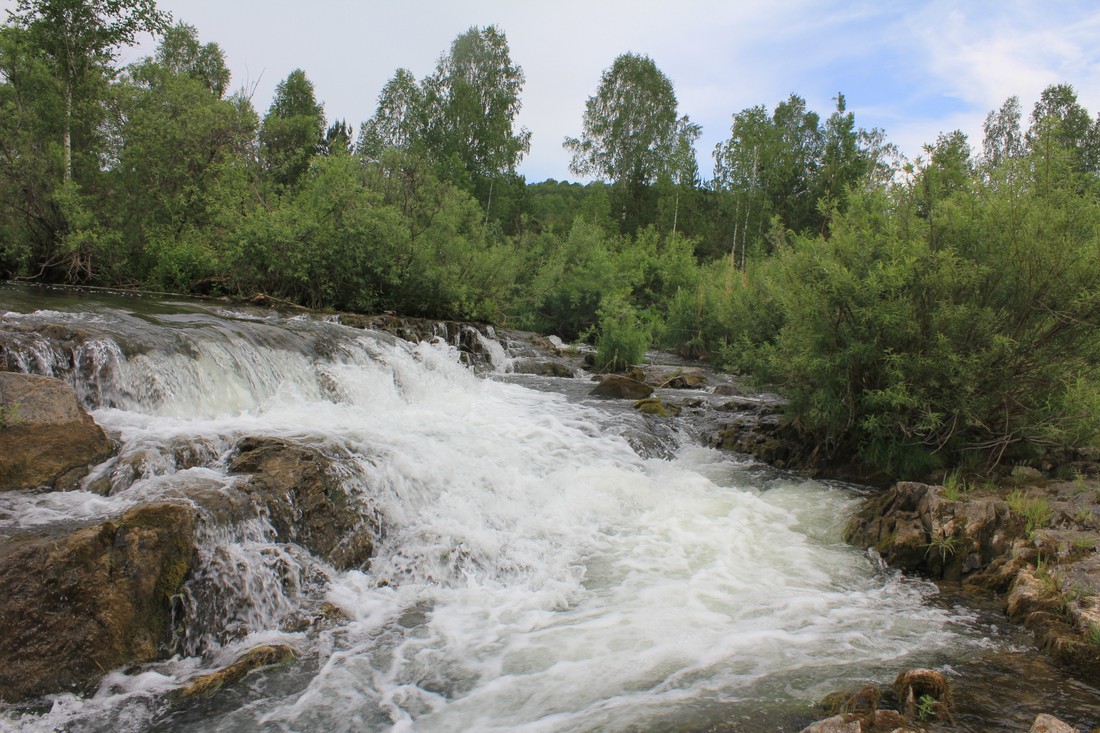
pixel 534 571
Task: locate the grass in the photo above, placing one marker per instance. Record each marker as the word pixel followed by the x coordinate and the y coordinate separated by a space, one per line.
pixel 1034 510
pixel 945 546
pixel 955 487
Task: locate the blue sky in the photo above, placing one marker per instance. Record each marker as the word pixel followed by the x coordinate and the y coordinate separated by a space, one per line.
pixel 914 69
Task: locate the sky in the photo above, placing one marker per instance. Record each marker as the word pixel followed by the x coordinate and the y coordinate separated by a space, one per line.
pixel 913 69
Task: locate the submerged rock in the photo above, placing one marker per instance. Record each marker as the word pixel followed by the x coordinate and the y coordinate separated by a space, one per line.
pixel 307 501
pixel 77 605
pixel 1049 724
pixel 209 685
pixel 46 437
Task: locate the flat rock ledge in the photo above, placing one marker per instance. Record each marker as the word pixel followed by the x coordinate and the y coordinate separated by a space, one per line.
pixel 1035 547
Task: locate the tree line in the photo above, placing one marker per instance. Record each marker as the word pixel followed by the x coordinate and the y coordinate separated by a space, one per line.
pixel 917 313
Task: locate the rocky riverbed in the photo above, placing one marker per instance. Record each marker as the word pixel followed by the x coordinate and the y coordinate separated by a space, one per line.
pixel 95 595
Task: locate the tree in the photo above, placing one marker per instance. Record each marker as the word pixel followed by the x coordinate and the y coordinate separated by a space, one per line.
pixel 470 104
pixel 292 130
pixel 629 129
pixel 80 38
pixel 337 139
pixel 397 122
pixel 1003 138
pixel 180 52
pixel 1073 128
pixel 180 155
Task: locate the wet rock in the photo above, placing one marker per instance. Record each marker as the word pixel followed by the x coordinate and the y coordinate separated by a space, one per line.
pixel 654 406
pixel 863 701
pixel 209 685
pixel 618 386
pixel 542 368
pixel 1049 724
pixel 307 501
pixel 46 437
pixel 924 694
pixel 914 527
pixel 835 724
pixel 77 605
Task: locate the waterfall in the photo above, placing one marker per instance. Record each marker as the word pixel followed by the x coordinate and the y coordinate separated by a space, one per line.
pixel 531 570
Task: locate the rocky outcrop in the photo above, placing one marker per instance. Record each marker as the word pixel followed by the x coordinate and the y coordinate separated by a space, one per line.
pixel 46 437
pixel 914 526
pixel 306 501
pixel 1037 546
pixel 78 604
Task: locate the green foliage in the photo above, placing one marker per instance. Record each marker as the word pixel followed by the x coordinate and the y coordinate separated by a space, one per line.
pixel 622 339
pixel 292 130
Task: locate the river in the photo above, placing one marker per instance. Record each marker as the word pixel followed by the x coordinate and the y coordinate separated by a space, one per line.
pixel 534 570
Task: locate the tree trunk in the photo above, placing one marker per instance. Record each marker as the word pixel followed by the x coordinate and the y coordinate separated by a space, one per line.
pixel 67 135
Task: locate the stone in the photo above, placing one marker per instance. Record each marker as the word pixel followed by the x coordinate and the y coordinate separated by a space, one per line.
pixel 307 503
pixel 687 380
pixel 654 406
pixel 1049 724
pixel 46 437
pixel 924 694
pixel 542 368
pixel 77 605
pixel 835 724
pixel 619 387
pixel 208 685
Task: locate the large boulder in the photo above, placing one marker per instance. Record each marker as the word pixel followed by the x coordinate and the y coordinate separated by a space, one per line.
pixel 46 437
pixel 306 500
pixel 79 604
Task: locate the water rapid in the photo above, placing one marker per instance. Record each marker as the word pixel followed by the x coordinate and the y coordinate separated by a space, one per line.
pixel 532 571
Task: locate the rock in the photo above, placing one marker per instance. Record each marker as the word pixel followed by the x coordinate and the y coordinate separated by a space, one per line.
pixel 687 380
pixel 542 368
pixel 835 724
pixel 306 501
pixel 913 527
pixel 1049 724
pixel 620 387
pixel 46 437
pixel 77 605
pixel 727 390
pixel 654 406
pixel 924 694
pixel 863 701
pixel 209 685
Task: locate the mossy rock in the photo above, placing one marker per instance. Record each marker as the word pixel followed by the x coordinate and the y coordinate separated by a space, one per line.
pixel 209 685
pixel 654 406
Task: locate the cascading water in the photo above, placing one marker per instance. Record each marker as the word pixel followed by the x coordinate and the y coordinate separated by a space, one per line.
pixel 531 571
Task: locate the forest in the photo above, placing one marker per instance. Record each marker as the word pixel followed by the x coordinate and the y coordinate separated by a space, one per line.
pixel 917 314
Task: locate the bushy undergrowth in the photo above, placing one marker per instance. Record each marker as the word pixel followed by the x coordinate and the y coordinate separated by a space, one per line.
pixel 959 330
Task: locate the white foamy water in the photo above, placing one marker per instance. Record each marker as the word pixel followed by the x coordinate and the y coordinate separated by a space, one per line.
pixel 533 574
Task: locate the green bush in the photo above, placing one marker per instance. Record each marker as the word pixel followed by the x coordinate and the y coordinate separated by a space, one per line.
pixel 622 339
